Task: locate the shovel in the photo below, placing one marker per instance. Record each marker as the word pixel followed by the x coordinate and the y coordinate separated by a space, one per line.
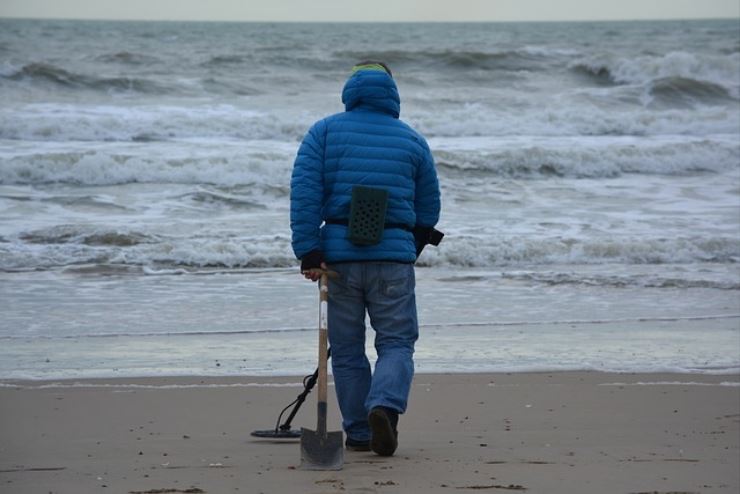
pixel 322 450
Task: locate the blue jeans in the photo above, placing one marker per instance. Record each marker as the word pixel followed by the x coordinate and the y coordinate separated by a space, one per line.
pixel 386 291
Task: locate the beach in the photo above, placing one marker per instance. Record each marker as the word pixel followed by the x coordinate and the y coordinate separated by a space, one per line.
pixel 565 432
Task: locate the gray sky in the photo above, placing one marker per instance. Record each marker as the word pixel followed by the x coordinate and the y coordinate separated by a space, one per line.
pixel 371 10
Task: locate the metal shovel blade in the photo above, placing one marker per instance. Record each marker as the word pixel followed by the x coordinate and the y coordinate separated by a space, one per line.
pixel 321 451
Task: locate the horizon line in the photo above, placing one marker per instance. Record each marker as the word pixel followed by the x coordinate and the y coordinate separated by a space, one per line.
pixel 246 21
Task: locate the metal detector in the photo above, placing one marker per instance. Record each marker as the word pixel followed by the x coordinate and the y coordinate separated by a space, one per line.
pixel 284 431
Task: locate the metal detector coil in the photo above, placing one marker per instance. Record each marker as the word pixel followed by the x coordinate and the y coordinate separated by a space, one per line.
pixel 277 434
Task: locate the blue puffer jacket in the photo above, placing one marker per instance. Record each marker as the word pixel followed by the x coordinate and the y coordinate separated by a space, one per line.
pixel 365 145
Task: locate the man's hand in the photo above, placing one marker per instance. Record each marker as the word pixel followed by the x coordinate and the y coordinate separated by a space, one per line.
pixel 313 275
pixel 314 259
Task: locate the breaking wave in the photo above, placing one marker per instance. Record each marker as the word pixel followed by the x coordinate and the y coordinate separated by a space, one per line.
pixel 67 234
pixel 526 58
pixel 584 161
pixel 233 164
pixel 181 164
pixel 471 251
pixel 685 91
pixel 44 73
pixel 61 122
pixel 678 75
pixel 142 123
pixel 77 245
pixel 73 246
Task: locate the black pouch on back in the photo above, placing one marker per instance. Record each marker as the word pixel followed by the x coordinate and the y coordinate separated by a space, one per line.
pixel 367 215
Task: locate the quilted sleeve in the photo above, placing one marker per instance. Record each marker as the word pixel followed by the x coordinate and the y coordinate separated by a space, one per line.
pixel 307 191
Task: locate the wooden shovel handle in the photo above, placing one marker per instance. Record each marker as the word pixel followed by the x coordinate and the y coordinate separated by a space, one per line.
pixel 323 333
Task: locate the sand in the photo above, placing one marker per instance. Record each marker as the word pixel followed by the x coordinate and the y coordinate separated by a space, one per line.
pixel 573 432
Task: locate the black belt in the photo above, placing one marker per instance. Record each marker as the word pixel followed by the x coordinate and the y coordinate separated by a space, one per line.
pixel 387 226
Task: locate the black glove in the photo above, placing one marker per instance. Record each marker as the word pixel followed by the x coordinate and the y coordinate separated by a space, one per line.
pixel 421 238
pixel 424 235
pixel 312 260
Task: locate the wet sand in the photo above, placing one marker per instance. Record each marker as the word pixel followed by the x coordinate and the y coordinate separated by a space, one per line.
pixel 570 433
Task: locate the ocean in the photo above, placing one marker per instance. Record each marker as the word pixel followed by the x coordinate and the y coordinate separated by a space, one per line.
pixel 590 177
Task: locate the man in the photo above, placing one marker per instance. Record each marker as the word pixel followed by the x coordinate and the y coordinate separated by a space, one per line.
pixel 366 150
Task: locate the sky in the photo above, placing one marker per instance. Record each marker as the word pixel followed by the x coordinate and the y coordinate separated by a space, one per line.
pixel 371 10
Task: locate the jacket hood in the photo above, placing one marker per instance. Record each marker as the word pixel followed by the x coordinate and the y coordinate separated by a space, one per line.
pixel 373 89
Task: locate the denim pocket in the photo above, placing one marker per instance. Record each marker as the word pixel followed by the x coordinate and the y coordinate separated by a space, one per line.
pixel 395 288
pixel 398 280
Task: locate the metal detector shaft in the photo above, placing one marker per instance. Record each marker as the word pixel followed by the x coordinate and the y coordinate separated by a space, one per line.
pixel 310 383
